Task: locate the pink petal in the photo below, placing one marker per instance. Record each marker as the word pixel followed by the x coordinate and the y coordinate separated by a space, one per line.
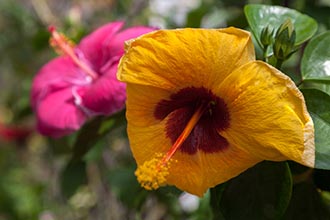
pixel 92 46
pixel 57 74
pixel 57 115
pixel 52 90
pixel 115 46
pixel 106 95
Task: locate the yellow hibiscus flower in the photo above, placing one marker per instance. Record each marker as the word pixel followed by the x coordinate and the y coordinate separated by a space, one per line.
pixel 201 109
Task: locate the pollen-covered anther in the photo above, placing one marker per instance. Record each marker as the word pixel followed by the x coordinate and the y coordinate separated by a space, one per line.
pixel 58 41
pixel 153 173
pixel 64 46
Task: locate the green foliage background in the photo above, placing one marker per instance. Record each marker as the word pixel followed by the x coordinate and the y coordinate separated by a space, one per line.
pixel 89 175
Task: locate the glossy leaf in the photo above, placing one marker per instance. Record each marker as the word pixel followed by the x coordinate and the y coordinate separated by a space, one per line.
pixel 321 85
pixel 318 104
pixel 315 64
pixel 262 192
pixel 261 16
pixel 322 142
pixel 315 68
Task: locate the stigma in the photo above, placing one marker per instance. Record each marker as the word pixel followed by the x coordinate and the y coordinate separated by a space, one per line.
pixel 153 173
pixel 64 46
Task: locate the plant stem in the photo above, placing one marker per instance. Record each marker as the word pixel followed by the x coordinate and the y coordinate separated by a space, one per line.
pixel 265 53
pixel 278 64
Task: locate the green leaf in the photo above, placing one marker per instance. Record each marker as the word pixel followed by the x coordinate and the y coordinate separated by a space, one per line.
pixel 73 176
pixel 318 105
pixel 323 86
pixel 315 64
pixel 322 142
pixel 204 210
pixel 124 184
pixel 306 204
pixel 322 181
pixel 262 192
pixel 194 17
pixel 216 193
pixel 94 131
pixel 261 16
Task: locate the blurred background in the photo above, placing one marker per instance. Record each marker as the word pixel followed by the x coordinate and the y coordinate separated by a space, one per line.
pixel 37 181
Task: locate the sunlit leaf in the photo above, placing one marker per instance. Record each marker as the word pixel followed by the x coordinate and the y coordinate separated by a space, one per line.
pixel 261 16
pixel 315 64
pixel 315 68
pixel 262 192
pixel 318 104
pixel 321 85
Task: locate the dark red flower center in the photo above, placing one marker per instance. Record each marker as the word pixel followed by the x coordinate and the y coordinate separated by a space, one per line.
pixel 205 135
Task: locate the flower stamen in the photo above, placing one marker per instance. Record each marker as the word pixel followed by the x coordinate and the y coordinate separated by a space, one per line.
pixel 63 45
pixel 153 173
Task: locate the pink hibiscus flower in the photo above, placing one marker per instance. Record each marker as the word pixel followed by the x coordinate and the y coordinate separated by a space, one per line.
pixel 82 82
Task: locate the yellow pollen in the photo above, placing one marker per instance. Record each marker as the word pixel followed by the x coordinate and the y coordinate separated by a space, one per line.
pixel 62 45
pixel 153 173
pixel 64 40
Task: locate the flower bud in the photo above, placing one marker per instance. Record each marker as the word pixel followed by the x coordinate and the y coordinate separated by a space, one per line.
pixel 284 41
pixel 266 36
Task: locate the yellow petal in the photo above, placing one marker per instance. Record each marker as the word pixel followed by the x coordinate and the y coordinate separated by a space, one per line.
pixel 192 173
pixel 196 173
pixel 268 116
pixel 172 59
pixel 146 133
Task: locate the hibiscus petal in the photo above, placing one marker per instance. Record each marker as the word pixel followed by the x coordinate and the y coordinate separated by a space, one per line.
pixel 115 46
pixel 57 114
pixel 148 137
pixel 268 115
pixel 93 45
pixel 203 171
pixel 143 104
pixel 172 59
pixel 106 95
pixel 57 74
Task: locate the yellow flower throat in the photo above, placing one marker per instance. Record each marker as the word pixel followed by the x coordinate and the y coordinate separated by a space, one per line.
pixel 152 174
